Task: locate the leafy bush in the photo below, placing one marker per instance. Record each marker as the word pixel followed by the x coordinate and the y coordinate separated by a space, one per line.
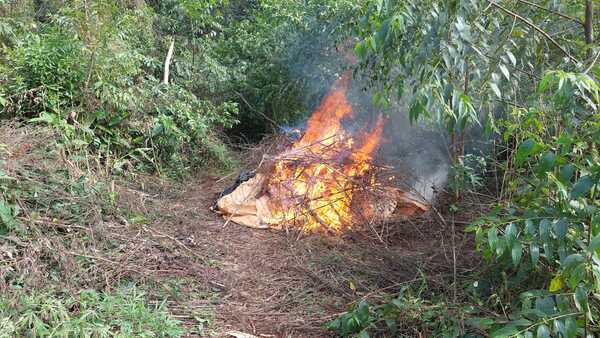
pixel 49 67
pixel 549 228
pixel 465 64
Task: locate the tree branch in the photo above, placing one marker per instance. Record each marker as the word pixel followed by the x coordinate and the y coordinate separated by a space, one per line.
pixel 551 11
pixel 535 27
pixel 168 62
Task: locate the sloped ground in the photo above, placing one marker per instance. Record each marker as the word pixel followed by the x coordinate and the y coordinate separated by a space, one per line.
pixel 84 229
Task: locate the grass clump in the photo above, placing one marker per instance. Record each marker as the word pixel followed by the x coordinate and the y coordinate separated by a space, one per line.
pixel 88 314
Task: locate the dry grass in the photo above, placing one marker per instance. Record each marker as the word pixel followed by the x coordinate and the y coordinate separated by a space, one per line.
pixel 151 232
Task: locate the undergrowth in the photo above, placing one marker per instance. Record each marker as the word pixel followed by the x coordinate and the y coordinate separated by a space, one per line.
pixel 123 313
pixel 69 267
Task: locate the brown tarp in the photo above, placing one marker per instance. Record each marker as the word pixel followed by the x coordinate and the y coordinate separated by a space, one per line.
pixel 248 205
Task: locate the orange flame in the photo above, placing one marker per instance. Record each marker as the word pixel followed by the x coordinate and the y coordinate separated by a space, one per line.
pixel 313 183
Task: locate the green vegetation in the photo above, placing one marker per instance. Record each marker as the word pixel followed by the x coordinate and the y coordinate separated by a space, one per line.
pixel 105 91
pixel 123 314
pixel 471 63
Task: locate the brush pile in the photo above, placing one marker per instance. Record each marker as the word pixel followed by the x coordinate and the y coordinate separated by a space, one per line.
pixel 326 180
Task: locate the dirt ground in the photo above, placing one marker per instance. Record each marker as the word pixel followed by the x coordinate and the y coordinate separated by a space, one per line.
pixel 275 284
pixel 218 277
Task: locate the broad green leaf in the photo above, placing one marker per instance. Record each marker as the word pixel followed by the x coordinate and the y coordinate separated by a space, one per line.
pixel 382 34
pixel 545 305
pixel 525 150
pixel 571 327
pixel 547 163
pixel 566 173
pixel 543 331
pixel 560 228
pixel 594 244
pixel 548 251
pixel 576 275
pixel 480 323
pixel 546 81
pixel 505 331
pixel 559 327
pixel 572 261
pixel 516 252
pixel 582 187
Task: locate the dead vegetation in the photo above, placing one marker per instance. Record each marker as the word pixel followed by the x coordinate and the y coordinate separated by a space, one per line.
pixel 78 230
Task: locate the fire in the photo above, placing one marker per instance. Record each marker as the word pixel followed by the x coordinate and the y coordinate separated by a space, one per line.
pixel 313 184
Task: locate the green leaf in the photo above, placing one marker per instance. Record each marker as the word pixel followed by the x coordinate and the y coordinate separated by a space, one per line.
pixel 534 251
pixel 493 237
pixel 571 327
pixel 548 251
pixel 516 253
pixel 545 230
pixel 582 187
pixel 594 244
pixel 525 150
pixel 496 90
pixel 363 311
pixel 512 57
pixel 547 163
pixel 382 34
pixel 572 261
pixel 363 334
pixel 511 231
pixel 360 51
pixel 546 81
pixel 560 228
pixel 581 298
pixel 566 173
pixel 530 228
pixel 504 71
pixel 506 331
pixel 545 305
pixel 480 323
pixel 6 217
pixel 543 331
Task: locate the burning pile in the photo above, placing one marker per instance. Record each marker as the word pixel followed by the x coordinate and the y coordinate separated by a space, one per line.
pixel 326 180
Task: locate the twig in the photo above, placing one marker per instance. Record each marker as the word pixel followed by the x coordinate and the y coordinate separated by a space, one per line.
pixel 177 242
pixel 224 177
pixel 551 11
pixel 592 64
pixel 538 29
pixel 275 124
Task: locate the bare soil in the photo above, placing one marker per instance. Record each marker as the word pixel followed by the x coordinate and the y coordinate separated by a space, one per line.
pixel 219 277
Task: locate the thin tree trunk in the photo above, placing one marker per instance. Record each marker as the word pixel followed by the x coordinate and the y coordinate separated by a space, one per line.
pixel 589 22
pixel 168 62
